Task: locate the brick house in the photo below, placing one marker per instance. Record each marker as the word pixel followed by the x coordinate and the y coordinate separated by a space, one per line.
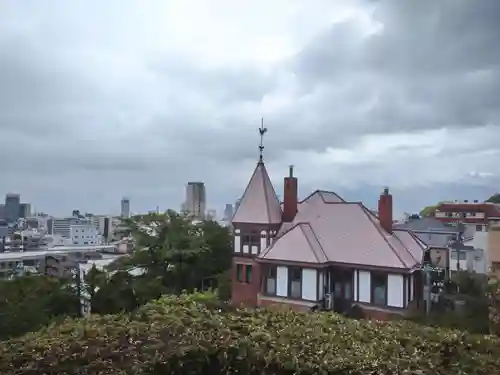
pixel 321 250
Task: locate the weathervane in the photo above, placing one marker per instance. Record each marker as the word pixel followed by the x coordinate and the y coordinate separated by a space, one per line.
pixel 262 131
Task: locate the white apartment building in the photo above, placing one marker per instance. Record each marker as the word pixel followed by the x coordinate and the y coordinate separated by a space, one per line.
pixel 61 226
pixel 85 234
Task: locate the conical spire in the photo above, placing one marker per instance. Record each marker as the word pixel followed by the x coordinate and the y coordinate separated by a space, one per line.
pixel 259 203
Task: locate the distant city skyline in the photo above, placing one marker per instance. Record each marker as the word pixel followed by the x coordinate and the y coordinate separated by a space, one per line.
pixel 358 95
pixel 402 203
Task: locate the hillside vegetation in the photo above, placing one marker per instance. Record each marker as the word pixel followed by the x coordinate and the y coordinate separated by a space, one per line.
pixel 192 334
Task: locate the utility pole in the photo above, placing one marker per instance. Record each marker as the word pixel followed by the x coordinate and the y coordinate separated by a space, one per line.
pixel 79 289
pixel 427 283
pixel 458 243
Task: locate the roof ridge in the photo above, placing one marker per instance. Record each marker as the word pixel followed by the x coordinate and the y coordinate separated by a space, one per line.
pixel 306 237
pixel 266 195
pixel 323 199
pixel 268 214
pixel 285 231
pixel 404 247
pixel 329 192
pixel 246 189
pixel 371 216
pixel 276 240
pixel 417 240
pixel 309 241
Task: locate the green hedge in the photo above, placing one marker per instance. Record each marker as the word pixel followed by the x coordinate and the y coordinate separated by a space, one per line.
pixel 183 336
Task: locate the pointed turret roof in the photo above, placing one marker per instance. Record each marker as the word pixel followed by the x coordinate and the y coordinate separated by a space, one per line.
pixel 259 203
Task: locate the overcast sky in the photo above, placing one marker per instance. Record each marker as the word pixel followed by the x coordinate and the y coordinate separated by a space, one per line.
pixel 104 99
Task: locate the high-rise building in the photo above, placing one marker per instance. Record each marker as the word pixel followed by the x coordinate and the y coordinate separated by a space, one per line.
pixel 12 203
pixel 125 207
pixel 228 212
pixel 196 199
pixel 24 210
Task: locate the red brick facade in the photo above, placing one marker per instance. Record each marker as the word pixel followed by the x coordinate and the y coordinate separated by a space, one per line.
pixel 243 293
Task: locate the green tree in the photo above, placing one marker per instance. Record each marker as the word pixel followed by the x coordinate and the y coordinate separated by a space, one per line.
pixel 172 253
pixel 93 281
pixel 30 302
pixel 168 249
pixel 212 265
pixel 495 198
pixel 115 294
pixel 428 211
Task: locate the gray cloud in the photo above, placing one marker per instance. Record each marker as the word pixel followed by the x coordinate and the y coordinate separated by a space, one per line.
pixel 99 102
pixel 426 65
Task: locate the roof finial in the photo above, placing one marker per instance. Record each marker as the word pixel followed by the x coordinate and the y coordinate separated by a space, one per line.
pixel 262 131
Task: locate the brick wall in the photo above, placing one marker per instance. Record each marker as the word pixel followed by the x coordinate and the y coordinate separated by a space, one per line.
pixel 243 293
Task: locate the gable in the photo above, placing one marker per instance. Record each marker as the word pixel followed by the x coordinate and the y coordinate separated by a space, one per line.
pixel 345 233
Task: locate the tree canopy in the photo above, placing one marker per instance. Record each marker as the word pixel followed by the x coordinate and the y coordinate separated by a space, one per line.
pixel 495 198
pixel 192 334
pixel 176 253
pixel 30 302
pixel 428 211
pixel 172 254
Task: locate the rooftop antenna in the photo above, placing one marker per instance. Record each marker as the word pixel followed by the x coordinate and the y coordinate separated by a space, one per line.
pixel 262 131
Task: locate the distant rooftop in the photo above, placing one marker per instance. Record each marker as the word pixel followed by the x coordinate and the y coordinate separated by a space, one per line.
pixel 58 250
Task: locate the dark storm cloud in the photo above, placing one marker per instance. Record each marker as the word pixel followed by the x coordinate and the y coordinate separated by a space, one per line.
pixel 81 98
pixel 224 85
pixel 431 64
pixel 38 95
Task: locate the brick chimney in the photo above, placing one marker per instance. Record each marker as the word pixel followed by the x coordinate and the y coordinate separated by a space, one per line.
pixel 290 197
pixel 385 210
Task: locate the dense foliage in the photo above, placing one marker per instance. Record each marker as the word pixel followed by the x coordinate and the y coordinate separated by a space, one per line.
pixel 27 303
pixel 428 211
pixel 175 253
pixel 494 304
pixel 495 198
pixel 179 335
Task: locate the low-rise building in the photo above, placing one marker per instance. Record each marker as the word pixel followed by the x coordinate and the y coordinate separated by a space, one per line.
pixel 438 236
pixel 84 234
pixel 322 251
pixel 12 261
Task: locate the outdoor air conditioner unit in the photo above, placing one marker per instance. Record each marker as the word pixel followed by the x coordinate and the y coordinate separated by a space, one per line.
pixel 329 301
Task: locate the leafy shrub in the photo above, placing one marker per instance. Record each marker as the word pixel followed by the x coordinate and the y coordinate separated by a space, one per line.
pixel 187 335
pixel 30 302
